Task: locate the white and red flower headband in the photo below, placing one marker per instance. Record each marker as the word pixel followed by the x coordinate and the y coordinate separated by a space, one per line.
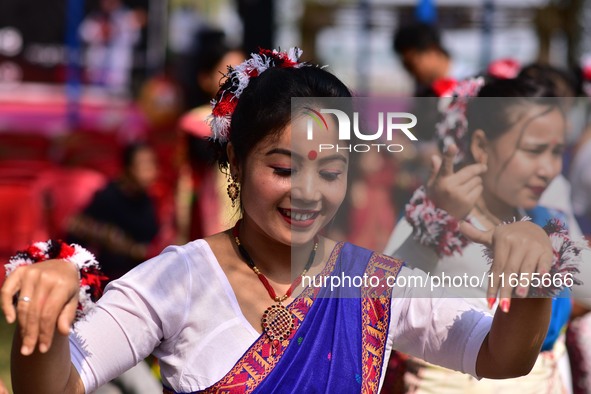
pixel 237 79
pixel 453 127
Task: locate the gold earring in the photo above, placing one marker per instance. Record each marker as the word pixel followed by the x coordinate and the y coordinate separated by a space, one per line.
pixel 233 190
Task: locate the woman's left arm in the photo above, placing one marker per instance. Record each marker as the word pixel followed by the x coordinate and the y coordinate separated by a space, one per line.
pixel 515 339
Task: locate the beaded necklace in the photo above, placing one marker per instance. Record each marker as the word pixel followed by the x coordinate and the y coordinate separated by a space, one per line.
pixel 277 321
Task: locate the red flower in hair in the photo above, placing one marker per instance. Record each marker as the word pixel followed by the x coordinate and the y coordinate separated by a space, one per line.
pixel 504 68
pixel 225 106
pixel 281 59
pixel 444 86
pixel 266 52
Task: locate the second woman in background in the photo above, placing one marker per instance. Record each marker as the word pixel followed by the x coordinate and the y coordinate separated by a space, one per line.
pixel 508 144
pixel 201 208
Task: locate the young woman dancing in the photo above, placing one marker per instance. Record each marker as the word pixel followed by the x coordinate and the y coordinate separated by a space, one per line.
pixel 507 144
pixel 224 314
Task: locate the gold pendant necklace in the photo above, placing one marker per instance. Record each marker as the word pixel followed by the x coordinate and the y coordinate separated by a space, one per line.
pixel 277 321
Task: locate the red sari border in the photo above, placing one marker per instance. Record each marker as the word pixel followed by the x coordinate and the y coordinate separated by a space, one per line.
pixel 375 317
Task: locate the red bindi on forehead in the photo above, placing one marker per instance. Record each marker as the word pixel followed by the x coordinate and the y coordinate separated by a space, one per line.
pixel 312 155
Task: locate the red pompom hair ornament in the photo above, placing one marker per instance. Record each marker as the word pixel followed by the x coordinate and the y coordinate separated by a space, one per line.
pixel 444 87
pixel 504 68
pixel 237 79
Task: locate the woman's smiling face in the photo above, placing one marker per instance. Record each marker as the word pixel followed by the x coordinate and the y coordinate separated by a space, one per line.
pixel 289 188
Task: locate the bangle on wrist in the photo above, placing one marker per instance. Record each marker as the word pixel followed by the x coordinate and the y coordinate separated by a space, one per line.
pixel 89 273
pixel 434 227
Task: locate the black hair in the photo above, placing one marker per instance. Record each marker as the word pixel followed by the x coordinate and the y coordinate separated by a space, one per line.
pixel 208 50
pixel 497 108
pixel 264 108
pixel 417 36
pixel 130 151
pixel 563 82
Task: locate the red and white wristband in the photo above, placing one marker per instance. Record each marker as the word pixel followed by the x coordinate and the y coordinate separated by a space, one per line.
pixel 434 227
pixel 91 277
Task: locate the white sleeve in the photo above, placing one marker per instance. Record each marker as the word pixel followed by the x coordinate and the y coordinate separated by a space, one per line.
pixel 435 327
pixel 131 319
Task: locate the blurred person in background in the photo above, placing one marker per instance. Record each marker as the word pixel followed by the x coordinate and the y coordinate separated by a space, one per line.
pixel 525 139
pixel 578 336
pixel 580 177
pixel 562 17
pixel 120 224
pixel 579 174
pixel 421 51
pixel 202 209
pixel 110 33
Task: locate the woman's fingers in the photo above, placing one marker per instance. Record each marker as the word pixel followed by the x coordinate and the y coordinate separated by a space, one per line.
pixel 470 184
pixel 511 271
pixel 520 250
pixel 497 277
pixel 476 235
pixel 529 266
pixel 67 316
pixel 442 166
pixel 50 313
pixel 474 193
pixel 11 287
pixel 467 194
pixel 435 166
pixel 47 294
pixel 28 309
pixel 447 162
pixel 448 189
pixel 468 173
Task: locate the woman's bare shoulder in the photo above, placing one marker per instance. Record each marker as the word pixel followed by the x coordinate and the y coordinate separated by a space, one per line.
pixel 221 244
pixel 220 240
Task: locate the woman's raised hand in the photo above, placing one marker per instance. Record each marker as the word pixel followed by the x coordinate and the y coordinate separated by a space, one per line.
pixel 454 192
pixel 521 251
pixel 47 297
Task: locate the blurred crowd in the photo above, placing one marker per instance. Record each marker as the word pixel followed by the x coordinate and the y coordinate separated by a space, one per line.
pixel 127 188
